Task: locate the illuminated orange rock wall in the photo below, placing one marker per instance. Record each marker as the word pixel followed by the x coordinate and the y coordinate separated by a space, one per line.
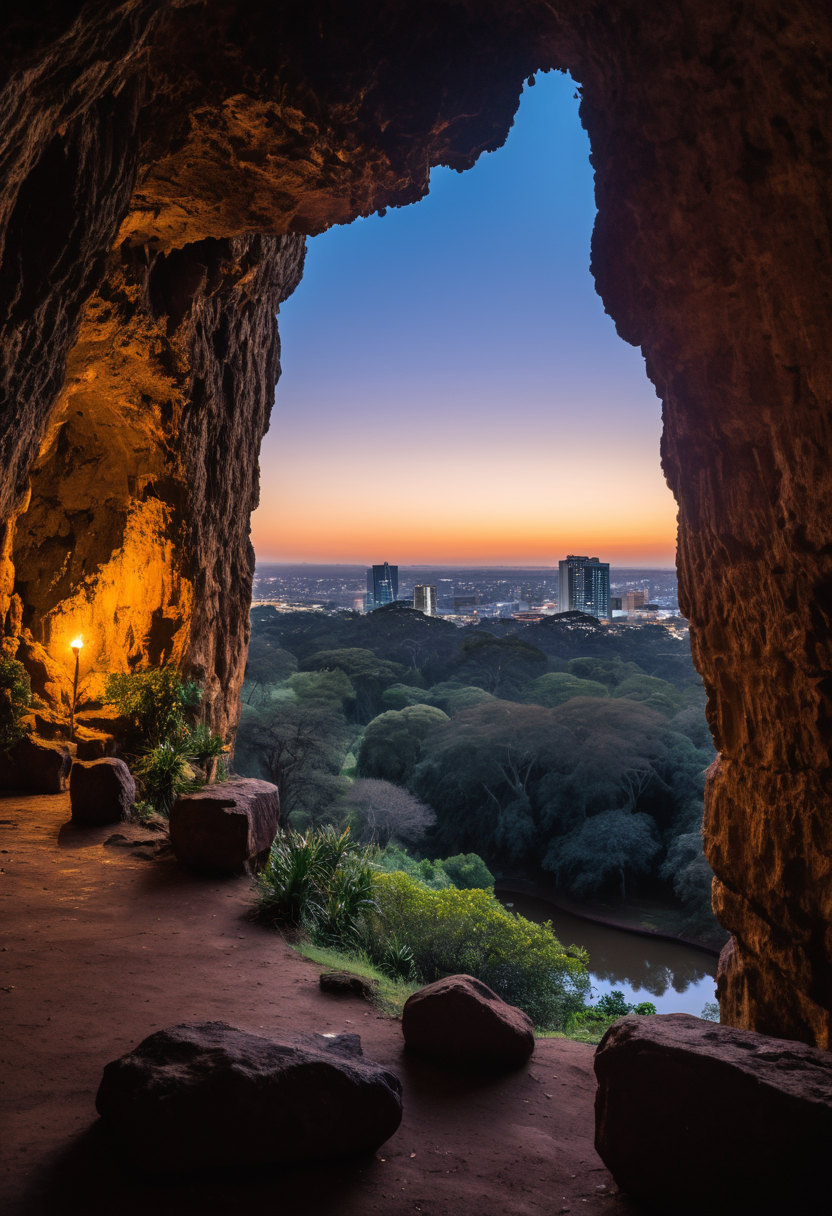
pixel 191 126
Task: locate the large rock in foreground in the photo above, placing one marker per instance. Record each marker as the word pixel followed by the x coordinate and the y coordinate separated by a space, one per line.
pixel 226 827
pixel 209 1096
pixel 691 1117
pixel 101 791
pixel 459 1020
pixel 37 765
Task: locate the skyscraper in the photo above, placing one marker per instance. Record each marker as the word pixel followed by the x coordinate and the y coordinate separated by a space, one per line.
pixel 584 586
pixel 424 599
pixel 382 585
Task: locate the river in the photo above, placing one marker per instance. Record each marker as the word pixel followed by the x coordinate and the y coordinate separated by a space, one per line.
pixel 675 977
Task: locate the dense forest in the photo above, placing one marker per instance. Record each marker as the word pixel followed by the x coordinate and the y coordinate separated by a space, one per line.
pixel 560 750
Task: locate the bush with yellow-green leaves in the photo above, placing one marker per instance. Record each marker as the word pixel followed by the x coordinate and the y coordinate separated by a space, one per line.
pixel 450 932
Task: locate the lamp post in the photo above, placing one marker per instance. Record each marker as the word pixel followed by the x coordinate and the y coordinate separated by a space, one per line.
pixel 76 650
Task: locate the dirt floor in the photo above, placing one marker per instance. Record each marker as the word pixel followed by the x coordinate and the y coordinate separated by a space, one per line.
pixel 100 945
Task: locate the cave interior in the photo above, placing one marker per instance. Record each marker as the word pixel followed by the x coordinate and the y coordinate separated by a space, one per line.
pixel 164 161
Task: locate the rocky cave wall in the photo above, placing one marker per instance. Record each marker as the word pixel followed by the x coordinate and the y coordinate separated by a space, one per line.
pixel 177 130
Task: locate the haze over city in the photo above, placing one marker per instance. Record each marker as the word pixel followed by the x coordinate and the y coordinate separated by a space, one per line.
pixel 452 389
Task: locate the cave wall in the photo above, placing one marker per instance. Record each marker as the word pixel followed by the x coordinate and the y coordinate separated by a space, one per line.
pixel 173 135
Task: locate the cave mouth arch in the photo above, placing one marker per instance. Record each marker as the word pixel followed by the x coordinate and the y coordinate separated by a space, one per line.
pixel 230 132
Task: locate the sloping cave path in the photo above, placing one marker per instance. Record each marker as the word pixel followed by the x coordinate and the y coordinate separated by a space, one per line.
pixel 100 947
pixel 192 130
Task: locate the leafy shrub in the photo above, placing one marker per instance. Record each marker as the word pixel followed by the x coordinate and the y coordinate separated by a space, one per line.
pixel 204 745
pixel 164 774
pixel 468 872
pixel 318 879
pixel 451 932
pixel 710 1012
pixel 15 695
pixel 154 701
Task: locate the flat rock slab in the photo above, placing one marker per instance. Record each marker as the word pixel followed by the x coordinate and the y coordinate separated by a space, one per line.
pixel 342 983
pixel 696 1118
pixel 101 791
pixel 225 827
pixel 208 1096
pixel 459 1020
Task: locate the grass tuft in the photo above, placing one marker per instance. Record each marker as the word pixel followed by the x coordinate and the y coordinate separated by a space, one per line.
pixel 389 994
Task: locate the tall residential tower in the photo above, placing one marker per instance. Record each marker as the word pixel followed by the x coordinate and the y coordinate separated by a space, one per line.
pixel 584 586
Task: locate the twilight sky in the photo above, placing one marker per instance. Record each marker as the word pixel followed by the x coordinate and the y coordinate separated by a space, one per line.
pixel 452 390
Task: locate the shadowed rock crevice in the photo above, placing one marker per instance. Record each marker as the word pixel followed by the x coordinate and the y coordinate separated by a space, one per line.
pixel 183 130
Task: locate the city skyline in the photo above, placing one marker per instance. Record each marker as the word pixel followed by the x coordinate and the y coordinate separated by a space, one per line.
pixel 459 346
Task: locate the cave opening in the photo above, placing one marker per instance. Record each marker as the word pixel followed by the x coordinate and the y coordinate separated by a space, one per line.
pixel 205 151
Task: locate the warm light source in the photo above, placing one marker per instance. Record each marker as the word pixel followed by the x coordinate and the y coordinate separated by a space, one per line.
pixel 76 645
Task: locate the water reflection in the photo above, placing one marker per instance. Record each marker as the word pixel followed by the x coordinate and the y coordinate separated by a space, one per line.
pixel 675 977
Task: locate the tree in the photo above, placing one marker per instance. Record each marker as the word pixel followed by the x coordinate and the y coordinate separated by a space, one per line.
pixel 392 743
pixel 301 750
pixel 379 812
pixel 613 844
pixel 554 688
pixel 499 665
pixel 368 675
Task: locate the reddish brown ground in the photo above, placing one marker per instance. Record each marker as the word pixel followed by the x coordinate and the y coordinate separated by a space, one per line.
pixel 101 947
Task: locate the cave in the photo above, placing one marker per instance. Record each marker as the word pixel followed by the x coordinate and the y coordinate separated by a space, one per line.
pixel 164 162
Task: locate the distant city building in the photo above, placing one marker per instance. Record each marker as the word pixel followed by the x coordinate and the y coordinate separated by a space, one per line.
pixel 616 603
pixel 465 601
pixel 584 586
pixel 634 600
pixel 382 585
pixel 424 599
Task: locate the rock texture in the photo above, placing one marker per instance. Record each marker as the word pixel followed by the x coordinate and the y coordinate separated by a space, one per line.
pixel 225 827
pixel 459 1020
pixel 342 983
pixel 101 791
pixel 208 1096
pixel 152 219
pixel 692 1117
pixel 37 765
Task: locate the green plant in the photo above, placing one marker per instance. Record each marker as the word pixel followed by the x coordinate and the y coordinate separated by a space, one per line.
pixel 389 994
pixel 452 931
pixel 154 701
pixel 204 745
pixel 468 871
pixel 320 879
pixel 15 695
pixel 397 960
pixel 164 774
pixel 710 1012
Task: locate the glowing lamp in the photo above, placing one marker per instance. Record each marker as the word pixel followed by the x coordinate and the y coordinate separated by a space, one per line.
pixel 75 645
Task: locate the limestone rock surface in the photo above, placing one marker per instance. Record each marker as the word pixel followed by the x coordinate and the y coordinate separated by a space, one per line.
pixel 101 791
pixel 225 827
pixel 693 1117
pixel 459 1020
pixel 209 1096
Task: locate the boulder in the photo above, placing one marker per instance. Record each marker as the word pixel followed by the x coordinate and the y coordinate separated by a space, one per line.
pixel 208 1096
pixel 460 1020
pixel 342 983
pixel 228 827
pixel 691 1117
pixel 101 791
pixel 37 765
pixel 93 744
